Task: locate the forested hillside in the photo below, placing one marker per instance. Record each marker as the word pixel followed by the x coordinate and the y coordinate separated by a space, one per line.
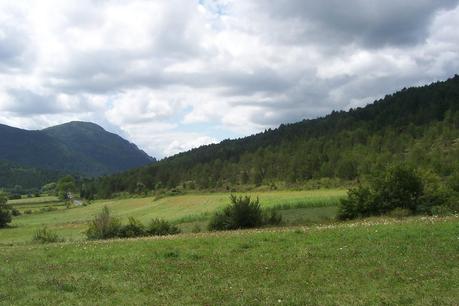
pixel 25 179
pixel 418 126
pixel 33 158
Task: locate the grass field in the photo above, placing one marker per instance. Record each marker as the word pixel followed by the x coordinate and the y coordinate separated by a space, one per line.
pixel 185 210
pixel 34 200
pixel 372 262
pixel 35 203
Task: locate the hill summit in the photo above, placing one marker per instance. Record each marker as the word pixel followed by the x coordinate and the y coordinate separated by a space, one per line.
pixel 82 148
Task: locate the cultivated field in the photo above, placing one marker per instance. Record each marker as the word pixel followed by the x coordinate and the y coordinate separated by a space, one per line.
pixel 188 211
pixel 371 262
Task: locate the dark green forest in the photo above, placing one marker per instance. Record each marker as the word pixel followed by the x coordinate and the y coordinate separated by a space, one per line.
pixel 20 179
pixel 418 127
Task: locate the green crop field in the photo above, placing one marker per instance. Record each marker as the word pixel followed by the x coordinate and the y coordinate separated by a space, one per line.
pixel 34 200
pixel 185 210
pixel 371 262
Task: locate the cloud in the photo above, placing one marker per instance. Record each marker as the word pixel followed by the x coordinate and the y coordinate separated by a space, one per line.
pixel 371 23
pixel 172 75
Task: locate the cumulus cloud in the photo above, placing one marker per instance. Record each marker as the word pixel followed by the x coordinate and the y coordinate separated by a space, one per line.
pixel 172 75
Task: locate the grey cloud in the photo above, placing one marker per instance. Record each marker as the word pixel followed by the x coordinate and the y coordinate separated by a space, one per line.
pixel 263 80
pixel 13 49
pixel 26 103
pixel 106 72
pixel 371 23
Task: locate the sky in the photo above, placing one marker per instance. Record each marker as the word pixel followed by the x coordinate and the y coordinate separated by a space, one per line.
pixel 170 75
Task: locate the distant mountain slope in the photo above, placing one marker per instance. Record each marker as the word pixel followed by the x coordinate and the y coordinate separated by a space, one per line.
pixel 28 178
pixel 90 140
pixel 76 147
pixel 419 126
pixel 37 150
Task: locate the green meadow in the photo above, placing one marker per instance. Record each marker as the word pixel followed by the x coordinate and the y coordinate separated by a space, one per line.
pixel 188 211
pixel 414 261
pixel 312 260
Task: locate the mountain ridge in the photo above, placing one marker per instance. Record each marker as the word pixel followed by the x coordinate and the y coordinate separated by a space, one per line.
pixel 77 147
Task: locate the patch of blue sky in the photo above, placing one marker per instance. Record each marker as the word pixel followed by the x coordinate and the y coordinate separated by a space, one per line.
pixel 215 6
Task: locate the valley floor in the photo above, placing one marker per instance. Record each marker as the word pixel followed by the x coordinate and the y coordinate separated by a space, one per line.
pixel 187 211
pixel 371 262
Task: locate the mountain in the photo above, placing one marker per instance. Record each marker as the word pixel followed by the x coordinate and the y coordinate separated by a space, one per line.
pixel 417 126
pixel 109 150
pixel 76 147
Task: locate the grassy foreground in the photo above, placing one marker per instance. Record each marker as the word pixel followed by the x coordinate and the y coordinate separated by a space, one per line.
pixel 373 262
pixel 184 209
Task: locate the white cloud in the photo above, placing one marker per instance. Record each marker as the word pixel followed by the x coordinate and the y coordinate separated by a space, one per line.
pixel 155 70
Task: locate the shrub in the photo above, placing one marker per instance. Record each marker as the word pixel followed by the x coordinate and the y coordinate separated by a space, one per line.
pixel 159 227
pixel 5 217
pixel 5 214
pixel 104 226
pixel 359 203
pixel 399 189
pixel 134 228
pixel 242 213
pixel 44 235
pixel 15 212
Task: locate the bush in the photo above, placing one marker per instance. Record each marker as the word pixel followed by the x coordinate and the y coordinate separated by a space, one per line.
pixel 44 235
pixel 159 227
pixel 5 214
pixel 399 189
pixel 242 213
pixel 134 228
pixel 359 203
pixel 104 226
pixel 15 212
pixel 5 217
